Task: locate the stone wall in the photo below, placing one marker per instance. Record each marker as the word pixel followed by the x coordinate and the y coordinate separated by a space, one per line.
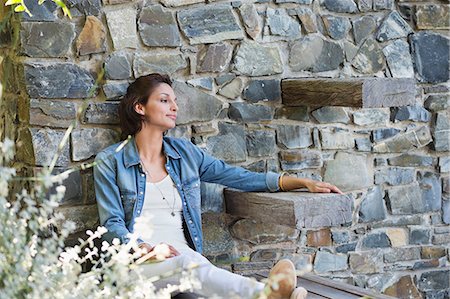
pixel 228 60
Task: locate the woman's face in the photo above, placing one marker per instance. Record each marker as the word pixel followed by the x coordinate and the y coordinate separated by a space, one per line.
pixel 161 108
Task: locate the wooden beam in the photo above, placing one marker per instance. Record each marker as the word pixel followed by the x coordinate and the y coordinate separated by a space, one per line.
pixel 363 93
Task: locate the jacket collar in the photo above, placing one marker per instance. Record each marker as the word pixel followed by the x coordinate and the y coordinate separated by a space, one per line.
pixel 131 154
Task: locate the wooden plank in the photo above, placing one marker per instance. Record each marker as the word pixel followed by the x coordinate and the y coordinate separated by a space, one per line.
pixel 363 93
pixel 324 290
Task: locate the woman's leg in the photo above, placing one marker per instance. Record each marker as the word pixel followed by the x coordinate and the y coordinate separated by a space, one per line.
pixel 214 281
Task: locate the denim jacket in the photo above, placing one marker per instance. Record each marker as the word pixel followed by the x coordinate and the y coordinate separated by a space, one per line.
pixel 120 184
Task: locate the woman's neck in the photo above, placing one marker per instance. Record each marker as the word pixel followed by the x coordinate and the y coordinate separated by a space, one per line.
pixel 149 145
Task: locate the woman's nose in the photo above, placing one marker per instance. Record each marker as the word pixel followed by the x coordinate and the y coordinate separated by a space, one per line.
pixel 174 106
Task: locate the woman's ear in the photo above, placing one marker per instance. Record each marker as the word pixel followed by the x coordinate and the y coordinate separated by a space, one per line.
pixel 139 109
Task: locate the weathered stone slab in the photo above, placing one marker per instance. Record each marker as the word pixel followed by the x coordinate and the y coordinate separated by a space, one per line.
pixel 327 262
pixel 250 112
pixel 295 113
pixel 403 200
pixel 46 39
pixel 84 216
pixel 434 280
pixel 52 113
pixel 252 59
pixel 365 93
pixel 370 117
pixel 384 133
pixel 102 113
pixel 92 37
pixel 375 240
pixel 415 113
pixel 205 83
pixel 419 235
pixel 209 24
pixel 122 27
pixel 216 236
pixel 336 26
pixel 214 58
pixel 250 17
pixel 440 131
pixel 394 26
pixel 190 99
pixel 229 145
pixel 431 56
pixel 300 159
pixel 444 164
pixel 367 262
pixel 395 176
pixel 336 138
pixel 372 207
pixel 432 16
pixel 40 12
pixel 403 288
pixel 341 6
pixel 331 115
pixel 118 66
pixel 307 19
pixel 399 59
pixel 349 171
pixel 369 58
pixel 260 143
pixel 405 142
pixel 397 236
pixel 86 143
pixel 293 209
pixel 233 89
pixel 261 232
pixel 318 238
pixel 363 27
pixel 281 24
pixel 115 90
pixel 437 102
pixel 410 160
pixel 262 90
pixel 291 136
pixel 313 53
pixel 85 7
pixel 430 184
pixel 45 145
pixel 145 64
pixel 158 27
pixel 62 80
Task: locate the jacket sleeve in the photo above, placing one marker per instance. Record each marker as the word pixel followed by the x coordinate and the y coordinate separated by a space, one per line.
pixel 110 208
pixel 213 170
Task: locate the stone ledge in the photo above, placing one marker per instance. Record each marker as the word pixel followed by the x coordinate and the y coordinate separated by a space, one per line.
pixel 295 209
pixel 362 93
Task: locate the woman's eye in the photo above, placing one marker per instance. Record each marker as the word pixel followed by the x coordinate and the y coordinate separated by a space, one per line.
pixel 164 101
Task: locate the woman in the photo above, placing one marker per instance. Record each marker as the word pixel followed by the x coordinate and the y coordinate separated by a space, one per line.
pixel 158 176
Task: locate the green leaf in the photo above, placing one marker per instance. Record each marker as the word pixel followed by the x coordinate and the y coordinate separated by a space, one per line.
pixel 64 8
pixel 19 8
pixel 40 2
pixel 11 2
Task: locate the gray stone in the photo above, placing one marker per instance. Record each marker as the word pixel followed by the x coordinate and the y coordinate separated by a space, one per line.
pixel 441 129
pixel 345 248
pixel 233 89
pixel 363 144
pixel 337 27
pixel 405 142
pixel 402 221
pixel 189 99
pixel 214 58
pixel 413 113
pixel 73 194
pixel 336 138
pixel 45 145
pixel 250 17
pixel 86 143
pixel 294 113
pixel 363 27
pixel 300 159
pixel 341 6
pixel 307 19
pixel 349 171
pixel 259 166
pixel 260 232
pixel 145 64
pixel 61 80
pixel 40 12
pixel 379 282
pixel 327 262
pixel 384 133
pixel 399 59
pixel 122 27
pixel 176 3
pixel 179 132
pixel 434 280
pixel 383 5
pixel 244 112
pixel 432 16
pixel 46 39
pixel 419 235
pixel 84 216
pixel 368 262
pixel 216 236
pixel 410 160
pixel 158 27
pixel 350 50
pixel 446 211
pixel 118 66
pixel 403 200
pixel 85 7
pixel 372 207
pixel 52 113
pixel 205 83
pixel 436 88
pixel 102 113
pixel 115 90
pixel 371 116
pixel 262 90
pixel 252 59
pixel 394 26
pixel 430 184
pixel 365 5
pixel 369 58
pixel 291 136
pixel 402 254
pixel 395 176
pixel 209 24
pixel 281 24
pixel 203 129
pixel 437 102
pixel 230 145
pixel 223 79
pixel 444 164
pixel 212 197
pixel 330 114
pixel 380 162
pixel 260 143
pixel 340 237
pixel 92 37
pixel 375 240
pixel 431 56
pixel 313 53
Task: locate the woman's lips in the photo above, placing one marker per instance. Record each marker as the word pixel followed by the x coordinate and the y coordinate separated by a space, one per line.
pixel 174 117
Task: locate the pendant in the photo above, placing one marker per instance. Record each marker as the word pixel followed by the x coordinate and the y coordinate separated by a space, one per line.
pixel 172 213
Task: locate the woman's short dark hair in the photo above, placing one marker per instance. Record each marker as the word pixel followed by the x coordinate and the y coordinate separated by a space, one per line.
pixel 138 92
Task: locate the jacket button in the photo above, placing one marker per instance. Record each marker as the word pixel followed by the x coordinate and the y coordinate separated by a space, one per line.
pixel 196 239
pixel 190 221
pixel 141 192
pixel 142 174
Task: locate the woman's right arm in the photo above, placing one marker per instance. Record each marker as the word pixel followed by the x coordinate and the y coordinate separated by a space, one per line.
pixel 110 208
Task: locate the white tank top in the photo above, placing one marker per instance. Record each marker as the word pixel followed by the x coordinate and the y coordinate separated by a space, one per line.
pixel 160 220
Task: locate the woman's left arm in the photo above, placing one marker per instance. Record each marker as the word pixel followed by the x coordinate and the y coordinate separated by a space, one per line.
pixel 288 183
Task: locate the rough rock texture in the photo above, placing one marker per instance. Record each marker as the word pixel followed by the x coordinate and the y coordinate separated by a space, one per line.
pixel 122 27
pixel 158 27
pixel 252 59
pixel 92 38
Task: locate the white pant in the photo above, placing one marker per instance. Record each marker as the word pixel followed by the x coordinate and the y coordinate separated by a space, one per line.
pixel 214 281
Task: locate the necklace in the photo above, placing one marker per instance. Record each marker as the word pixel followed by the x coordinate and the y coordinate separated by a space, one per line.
pixel 162 194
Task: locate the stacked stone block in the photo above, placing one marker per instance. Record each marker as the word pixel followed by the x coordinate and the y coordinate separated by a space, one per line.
pixel 228 59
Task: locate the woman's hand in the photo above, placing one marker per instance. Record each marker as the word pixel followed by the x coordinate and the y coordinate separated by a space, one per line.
pixel 159 252
pixel 321 187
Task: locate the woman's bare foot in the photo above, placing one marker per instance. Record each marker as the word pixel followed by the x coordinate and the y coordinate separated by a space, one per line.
pixel 299 293
pixel 283 274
